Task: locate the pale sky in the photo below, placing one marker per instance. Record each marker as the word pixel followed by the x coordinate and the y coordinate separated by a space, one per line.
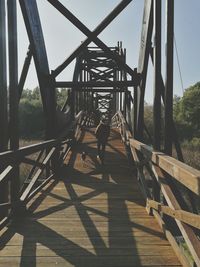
pixel 61 37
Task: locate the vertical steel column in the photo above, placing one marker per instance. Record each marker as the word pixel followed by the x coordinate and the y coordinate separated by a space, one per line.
pixel 157 75
pixel 84 93
pixel 157 87
pixel 114 100
pixel 145 48
pixel 135 101
pixel 117 94
pixel 13 91
pixel 129 110
pixel 88 94
pixel 169 76
pixel 81 91
pixel 34 29
pixel 121 94
pixel 125 103
pixel 3 79
pixel 3 99
pixel 73 93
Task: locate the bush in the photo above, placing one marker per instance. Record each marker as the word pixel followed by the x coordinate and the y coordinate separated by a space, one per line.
pixel 31 124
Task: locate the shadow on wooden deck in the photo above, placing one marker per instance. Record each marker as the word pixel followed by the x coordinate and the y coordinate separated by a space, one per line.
pixel 90 216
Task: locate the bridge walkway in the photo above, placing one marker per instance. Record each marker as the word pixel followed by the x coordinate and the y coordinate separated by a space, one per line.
pixel 90 216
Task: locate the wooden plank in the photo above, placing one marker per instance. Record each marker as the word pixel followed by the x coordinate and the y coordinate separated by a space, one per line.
pixel 38 189
pixel 183 173
pixel 181 215
pixel 27 191
pixel 190 237
pixel 4 222
pixel 45 252
pixel 172 240
pixel 90 260
pixel 92 216
pixel 5 173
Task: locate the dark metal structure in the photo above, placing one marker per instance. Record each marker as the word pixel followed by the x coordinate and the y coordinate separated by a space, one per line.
pixel 102 83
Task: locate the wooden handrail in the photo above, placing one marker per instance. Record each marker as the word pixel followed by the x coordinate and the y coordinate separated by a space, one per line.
pixel 158 165
pixel 62 145
pixel 180 171
pixel 181 215
pixel 5 173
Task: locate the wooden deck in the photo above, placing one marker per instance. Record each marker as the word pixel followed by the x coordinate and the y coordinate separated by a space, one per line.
pixel 91 216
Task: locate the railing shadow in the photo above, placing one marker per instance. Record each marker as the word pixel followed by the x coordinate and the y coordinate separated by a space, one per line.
pixel 116 242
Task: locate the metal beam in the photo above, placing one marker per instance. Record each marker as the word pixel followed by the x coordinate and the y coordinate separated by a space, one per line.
pixel 119 8
pixel 3 79
pixel 24 72
pixel 33 25
pixel 94 84
pixel 175 135
pixel 75 21
pixel 13 92
pixel 3 101
pixel 157 75
pixel 169 76
pixel 100 90
pixel 145 47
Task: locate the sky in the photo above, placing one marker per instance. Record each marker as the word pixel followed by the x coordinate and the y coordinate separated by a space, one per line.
pixel 61 37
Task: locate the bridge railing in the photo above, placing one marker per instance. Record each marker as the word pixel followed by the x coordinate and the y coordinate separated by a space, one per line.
pixel 45 159
pixel 159 177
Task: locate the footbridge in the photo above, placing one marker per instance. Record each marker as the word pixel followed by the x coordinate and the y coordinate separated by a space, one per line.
pixel 140 208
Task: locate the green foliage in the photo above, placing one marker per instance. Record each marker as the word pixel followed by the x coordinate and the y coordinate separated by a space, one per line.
pixel 148 118
pixel 31 116
pixel 61 95
pixel 187 112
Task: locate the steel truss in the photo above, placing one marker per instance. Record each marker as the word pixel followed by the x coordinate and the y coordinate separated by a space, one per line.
pixel 101 75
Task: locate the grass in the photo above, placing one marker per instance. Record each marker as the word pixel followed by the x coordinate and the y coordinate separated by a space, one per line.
pixel 191 150
pixel 192 158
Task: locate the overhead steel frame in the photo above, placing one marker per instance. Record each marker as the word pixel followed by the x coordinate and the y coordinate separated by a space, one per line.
pixel 99 85
pixel 9 133
pixel 48 83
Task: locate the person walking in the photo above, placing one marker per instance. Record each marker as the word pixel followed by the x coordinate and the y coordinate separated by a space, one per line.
pixel 102 133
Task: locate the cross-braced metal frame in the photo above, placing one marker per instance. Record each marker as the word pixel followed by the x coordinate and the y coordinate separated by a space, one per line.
pixel 101 75
pixel 100 86
pixel 101 82
pixel 9 132
pixel 97 69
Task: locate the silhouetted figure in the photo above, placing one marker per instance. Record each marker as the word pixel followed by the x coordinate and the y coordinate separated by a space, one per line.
pixel 102 133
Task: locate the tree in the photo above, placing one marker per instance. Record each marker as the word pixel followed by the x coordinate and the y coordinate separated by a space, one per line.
pixel 187 112
pixel 31 115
